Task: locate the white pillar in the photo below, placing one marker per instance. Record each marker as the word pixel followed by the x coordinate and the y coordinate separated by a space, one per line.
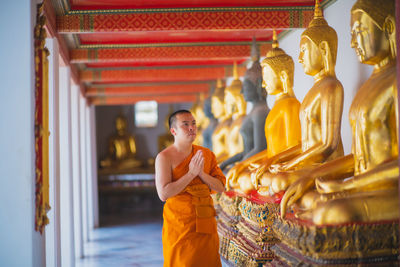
pixel 82 115
pixel 93 165
pixel 93 217
pixel 20 244
pixel 66 181
pixel 53 243
pixel 76 171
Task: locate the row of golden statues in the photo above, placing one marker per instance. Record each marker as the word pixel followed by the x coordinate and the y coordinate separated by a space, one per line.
pixel 301 157
pixel 303 153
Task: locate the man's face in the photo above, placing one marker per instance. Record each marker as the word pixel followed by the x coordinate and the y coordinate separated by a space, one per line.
pixel 184 127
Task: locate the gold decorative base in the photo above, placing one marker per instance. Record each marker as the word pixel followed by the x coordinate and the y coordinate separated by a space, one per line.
pixel 245 231
pixel 228 216
pixel 305 244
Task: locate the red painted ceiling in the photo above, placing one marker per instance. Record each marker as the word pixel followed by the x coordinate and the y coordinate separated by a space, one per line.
pixel 128 4
pixel 98 50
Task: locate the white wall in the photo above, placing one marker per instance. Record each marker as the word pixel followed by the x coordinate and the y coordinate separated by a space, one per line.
pixel 348 69
pixel 20 244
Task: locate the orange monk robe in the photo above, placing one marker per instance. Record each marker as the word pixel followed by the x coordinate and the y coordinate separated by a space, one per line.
pixel 282 126
pixel 189 234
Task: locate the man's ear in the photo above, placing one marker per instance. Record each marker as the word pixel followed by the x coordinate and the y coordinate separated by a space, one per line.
pixel 172 130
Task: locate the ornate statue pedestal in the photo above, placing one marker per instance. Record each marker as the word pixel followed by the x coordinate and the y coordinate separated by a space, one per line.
pixel 226 206
pixel 247 239
pixel 305 244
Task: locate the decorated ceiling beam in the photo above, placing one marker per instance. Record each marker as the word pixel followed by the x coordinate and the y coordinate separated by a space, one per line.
pixel 158 75
pixel 133 99
pixel 142 55
pixel 152 90
pixel 241 19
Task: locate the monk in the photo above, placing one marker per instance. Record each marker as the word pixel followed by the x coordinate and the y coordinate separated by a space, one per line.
pixel 186 175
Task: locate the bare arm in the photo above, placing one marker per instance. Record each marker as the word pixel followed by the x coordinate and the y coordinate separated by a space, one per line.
pixel 213 183
pixel 164 185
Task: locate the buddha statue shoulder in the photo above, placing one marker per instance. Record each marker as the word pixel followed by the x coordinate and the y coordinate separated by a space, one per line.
pixel 235 107
pixel 220 133
pixel 362 186
pixel 121 149
pixel 282 125
pixel 212 123
pixel 252 127
pixel 320 112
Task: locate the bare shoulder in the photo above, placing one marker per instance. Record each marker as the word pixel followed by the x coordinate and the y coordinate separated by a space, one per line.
pixel 165 155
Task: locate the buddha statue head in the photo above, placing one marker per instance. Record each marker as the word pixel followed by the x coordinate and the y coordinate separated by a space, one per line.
pixel 121 124
pixel 318 46
pixel 252 84
pixel 233 99
pixel 217 100
pixel 373 30
pixel 278 70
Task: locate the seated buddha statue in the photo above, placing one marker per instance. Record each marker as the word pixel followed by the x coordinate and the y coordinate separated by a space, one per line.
pixel 252 127
pixel 362 186
pixel 282 126
pixel 220 133
pixel 121 148
pixel 235 107
pixel 320 112
pixel 166 139
pixel 201 119
pixel 210 127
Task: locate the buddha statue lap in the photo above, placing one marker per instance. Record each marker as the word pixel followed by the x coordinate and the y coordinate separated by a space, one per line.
pixel 320 113
pixel 252 127
pixel 121 149
pixel 282 126
pixel 371 192
pixel 220 133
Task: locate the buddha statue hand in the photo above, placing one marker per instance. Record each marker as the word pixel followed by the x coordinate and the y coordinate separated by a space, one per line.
pixel 253 166
pixel 256 174
pixel 232 176
pixel 294 192
pixel 329 186
pixel 276 168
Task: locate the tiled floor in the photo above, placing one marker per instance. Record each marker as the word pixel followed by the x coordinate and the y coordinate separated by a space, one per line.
pixel 130 240
pixel 125 242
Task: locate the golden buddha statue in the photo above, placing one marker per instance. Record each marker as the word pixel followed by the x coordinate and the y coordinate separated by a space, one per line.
pixel 282 126
pixel 201 119
pixel 371 194
pixel 166 139
pixel 320 112
pixel 121 149
pixel 220 133
pixel 252 127
pixel 235 107
pixel 212 123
